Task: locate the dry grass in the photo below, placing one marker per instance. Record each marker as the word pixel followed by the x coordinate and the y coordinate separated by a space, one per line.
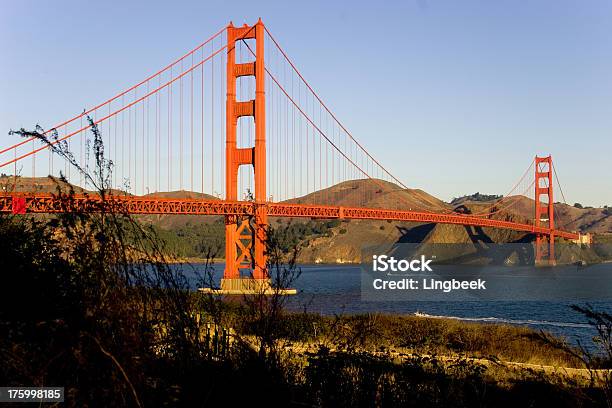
pixel 428 336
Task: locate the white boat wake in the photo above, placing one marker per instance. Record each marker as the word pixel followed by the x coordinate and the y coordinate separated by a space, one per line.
pixel 508 321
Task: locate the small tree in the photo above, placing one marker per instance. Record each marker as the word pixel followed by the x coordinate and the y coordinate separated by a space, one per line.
pixel 97 303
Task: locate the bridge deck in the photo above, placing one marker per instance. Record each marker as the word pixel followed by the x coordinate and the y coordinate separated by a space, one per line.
pixel 48 203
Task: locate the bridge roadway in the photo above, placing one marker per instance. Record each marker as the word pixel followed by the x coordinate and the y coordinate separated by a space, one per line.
pixel 48 203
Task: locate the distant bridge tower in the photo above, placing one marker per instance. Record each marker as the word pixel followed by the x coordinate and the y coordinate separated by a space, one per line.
pixel 544 210
pixel 245 238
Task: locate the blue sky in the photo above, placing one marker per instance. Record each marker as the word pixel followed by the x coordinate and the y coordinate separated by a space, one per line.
pixel 453 96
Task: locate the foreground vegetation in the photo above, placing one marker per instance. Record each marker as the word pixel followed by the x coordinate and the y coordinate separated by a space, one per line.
pixel 70 319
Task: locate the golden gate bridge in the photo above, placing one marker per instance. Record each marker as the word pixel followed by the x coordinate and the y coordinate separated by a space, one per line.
pixel 237 102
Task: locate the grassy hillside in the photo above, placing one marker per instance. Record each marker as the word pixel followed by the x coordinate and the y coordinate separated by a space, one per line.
pixel 374 194
pixel 573 218
pixel 342 241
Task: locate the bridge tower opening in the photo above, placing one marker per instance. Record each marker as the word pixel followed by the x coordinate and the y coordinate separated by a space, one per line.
pixel 245 236
pixel 544 211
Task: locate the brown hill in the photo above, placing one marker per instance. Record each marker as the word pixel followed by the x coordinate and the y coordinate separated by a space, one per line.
pixel 182 194
pixel 344 241
pixel 347 242
pixel 44 185
pixel 373 193
pixel 171 222
pixel 593 220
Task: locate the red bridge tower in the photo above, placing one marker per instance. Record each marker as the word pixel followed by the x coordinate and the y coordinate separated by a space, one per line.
pixel 245 237
pixel 544 210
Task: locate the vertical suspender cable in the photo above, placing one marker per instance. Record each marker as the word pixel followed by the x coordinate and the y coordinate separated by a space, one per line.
pixel 212 122
pixel 170 134
pixel 181 130
pixel 145 146
pixel 191 148
pixel 202 120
